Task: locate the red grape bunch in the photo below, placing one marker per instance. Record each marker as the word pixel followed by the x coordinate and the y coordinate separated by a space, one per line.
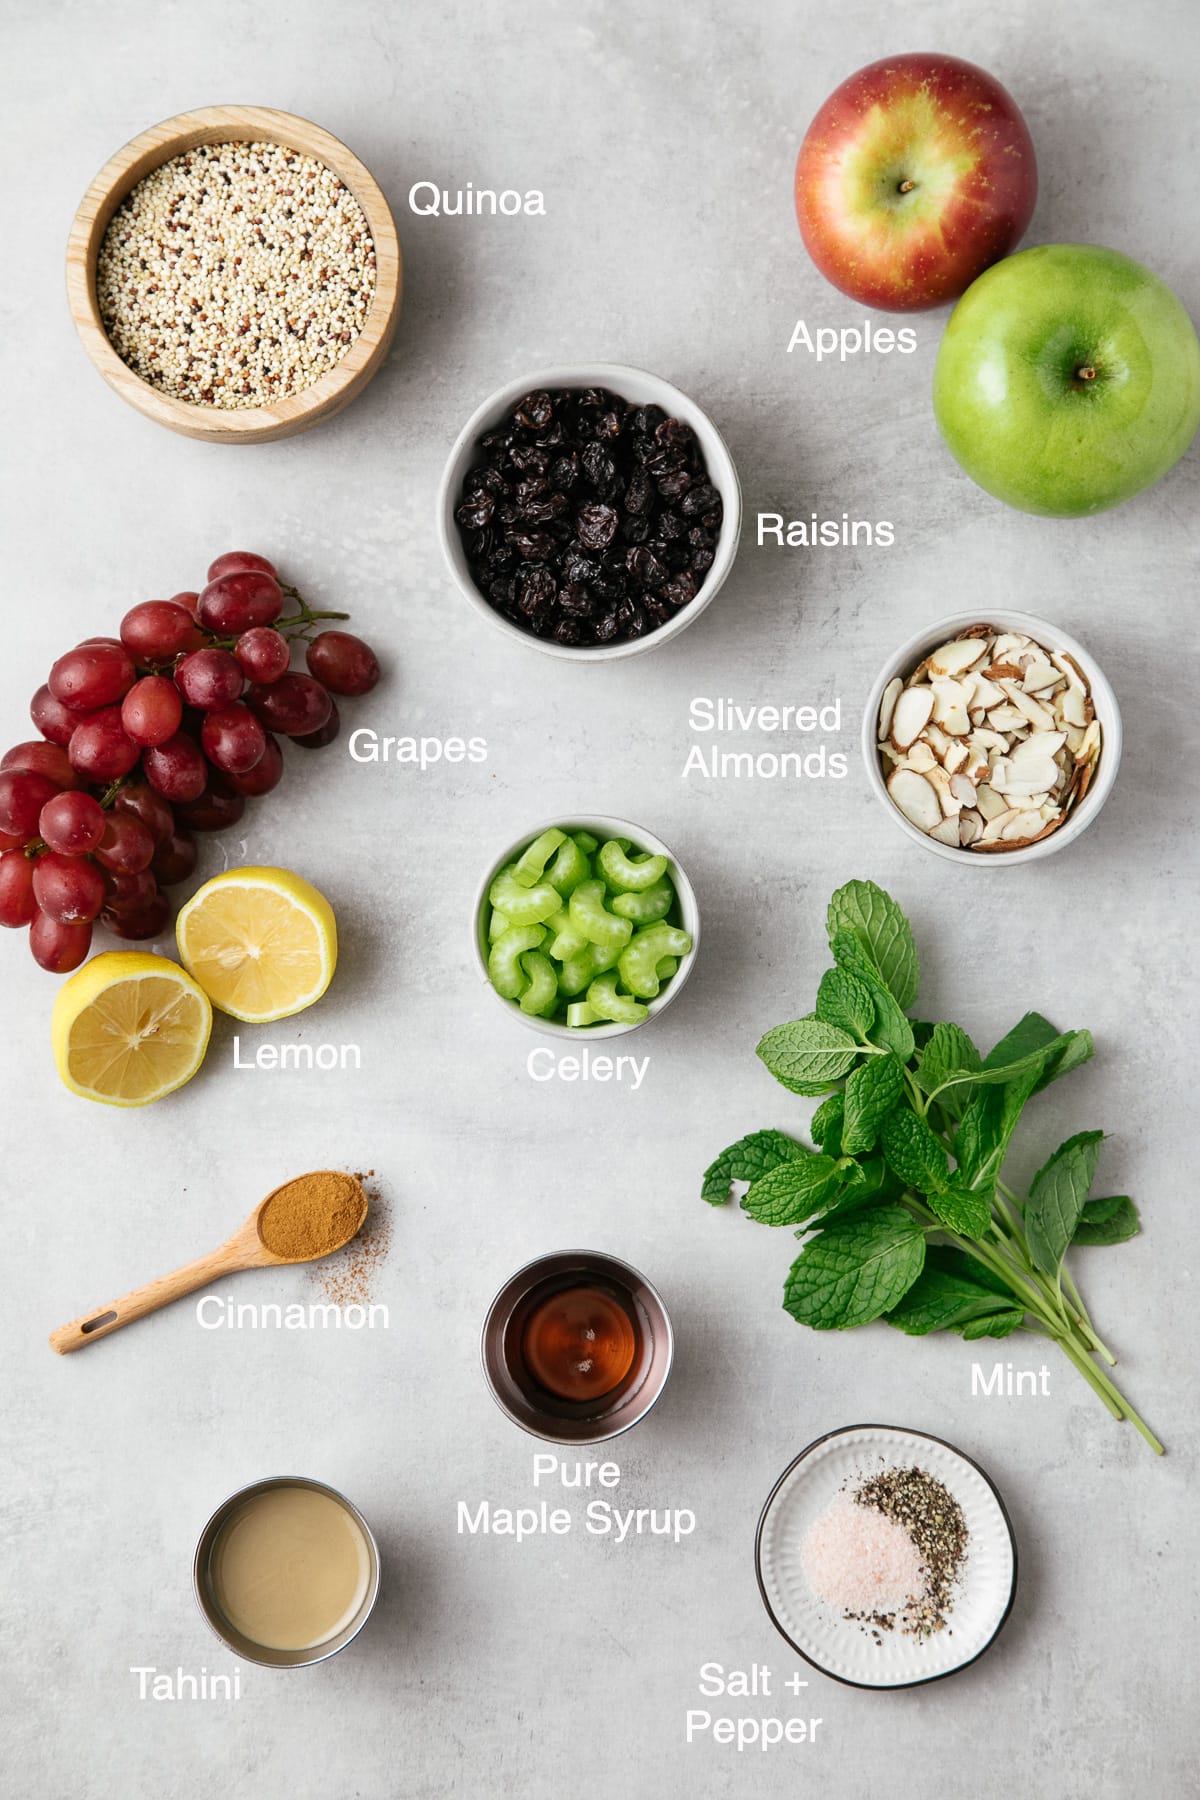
pixel 156 734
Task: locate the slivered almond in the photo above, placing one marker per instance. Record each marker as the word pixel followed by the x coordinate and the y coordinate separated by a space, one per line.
pixel 954 657
pixel 994 829
pixel 915 798
pixel 989 802
pixel 940 782
pixel 955 757
pixel 910 715
pixel 1002 671
pixel 987 693
pixel 891 694
pixel 1091 743
pixel 1033 709
pixel 920 757
pixel 946 833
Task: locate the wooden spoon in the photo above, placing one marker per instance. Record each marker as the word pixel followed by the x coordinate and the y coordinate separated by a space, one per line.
pixel 244 1250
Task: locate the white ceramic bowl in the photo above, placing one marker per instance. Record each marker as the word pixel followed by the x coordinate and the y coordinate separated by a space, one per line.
pixel 904 660
pixel 602 828
pixel 841 1647
pixel 643 390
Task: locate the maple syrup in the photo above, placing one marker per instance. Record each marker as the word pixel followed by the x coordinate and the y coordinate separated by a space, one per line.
pixel 580 1343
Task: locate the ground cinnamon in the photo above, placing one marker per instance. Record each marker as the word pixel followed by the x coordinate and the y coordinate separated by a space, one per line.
pixel 312 1215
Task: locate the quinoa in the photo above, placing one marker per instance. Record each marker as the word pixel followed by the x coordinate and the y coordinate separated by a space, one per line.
pixel 236 274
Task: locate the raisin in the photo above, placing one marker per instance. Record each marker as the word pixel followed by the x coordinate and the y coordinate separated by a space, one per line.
pixel 607 626
pixel 681 588
pixel 675 434
pixel 701 499
pixel 535 411
pixel 645 567
pixel 596 525
pixel 639 494
pixel 674 484
pixel 476 512
pixel 599 468
pixel 577 600
pixel 537 589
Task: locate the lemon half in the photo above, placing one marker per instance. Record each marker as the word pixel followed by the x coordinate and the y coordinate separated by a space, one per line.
pixel 262 943
pixel 128 1028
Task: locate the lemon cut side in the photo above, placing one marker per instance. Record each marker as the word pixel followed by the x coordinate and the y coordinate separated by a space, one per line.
pixel 128 1028
pixel 262 943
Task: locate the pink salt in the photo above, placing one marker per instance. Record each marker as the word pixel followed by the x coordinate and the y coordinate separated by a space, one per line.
pixel 860 1562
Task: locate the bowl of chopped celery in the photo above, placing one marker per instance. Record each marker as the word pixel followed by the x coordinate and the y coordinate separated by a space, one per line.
pixel 587 928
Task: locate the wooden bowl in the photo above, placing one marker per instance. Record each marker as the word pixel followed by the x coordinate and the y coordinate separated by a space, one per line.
pixel 215 125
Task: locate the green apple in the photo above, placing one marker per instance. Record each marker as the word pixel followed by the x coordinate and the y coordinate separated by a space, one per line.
pixel 1068 380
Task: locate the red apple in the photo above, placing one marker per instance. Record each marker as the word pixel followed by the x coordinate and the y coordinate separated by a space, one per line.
pixel 916 175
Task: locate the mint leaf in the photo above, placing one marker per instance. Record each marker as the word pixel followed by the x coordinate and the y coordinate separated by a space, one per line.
pixel 1079 1049
pixel 855 1269
pixel 1064 1051
pixel 995 1325
pixel 826 1124
pixel 871 1092
pixel 1113 1220
pixel 845 1001
pixel 961 1209
pixel 884 932
pixel 808 1055
pixel 1033 1032
pixel 1034 1043
pixel 949 1055
pixel 982 1139
pixel 944 1299
pixel 1056 1199
pixel 747 1160
pixel 891 1030
pixel 914 1153
pixel 968 1268
pixel 793 1192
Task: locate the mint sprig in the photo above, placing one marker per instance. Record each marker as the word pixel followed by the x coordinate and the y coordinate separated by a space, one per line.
pixel 903 1209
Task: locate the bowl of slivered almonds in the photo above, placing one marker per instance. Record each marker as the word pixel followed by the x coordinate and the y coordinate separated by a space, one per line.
pixel 993 740
pixel 235 274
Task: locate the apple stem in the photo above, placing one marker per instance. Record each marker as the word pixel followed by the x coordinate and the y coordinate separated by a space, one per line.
pixel 1087 373
pixel 906 186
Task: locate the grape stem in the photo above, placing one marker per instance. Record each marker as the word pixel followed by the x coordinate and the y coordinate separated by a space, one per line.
pixel 304 618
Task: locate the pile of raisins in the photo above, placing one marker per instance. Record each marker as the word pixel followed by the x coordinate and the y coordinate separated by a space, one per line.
pixel 588 520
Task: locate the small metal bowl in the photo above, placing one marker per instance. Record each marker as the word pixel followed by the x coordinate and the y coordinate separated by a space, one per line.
pixel 685 913
pixel 245 1647
pixel 544 1415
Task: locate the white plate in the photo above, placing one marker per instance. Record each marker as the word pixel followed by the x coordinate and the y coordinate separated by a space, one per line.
pixel 840 1647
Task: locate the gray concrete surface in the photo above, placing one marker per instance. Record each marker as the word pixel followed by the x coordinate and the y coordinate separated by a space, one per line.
pixel 663 139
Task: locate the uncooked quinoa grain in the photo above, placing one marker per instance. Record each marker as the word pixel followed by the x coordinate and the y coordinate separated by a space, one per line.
pixel 236 274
